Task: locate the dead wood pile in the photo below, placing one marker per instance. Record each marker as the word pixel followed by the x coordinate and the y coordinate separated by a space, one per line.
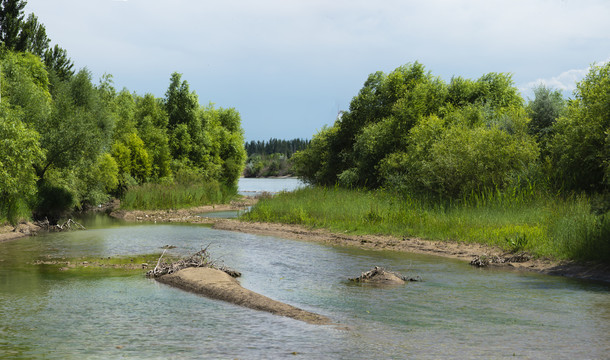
pixel 380 273
pixel 66 226
pixel 199 259
pixel 486 260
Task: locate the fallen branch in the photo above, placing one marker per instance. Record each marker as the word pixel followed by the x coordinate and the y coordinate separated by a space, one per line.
pixel 67 225
pixel 199 259
pixel 378 272
pixel 486 260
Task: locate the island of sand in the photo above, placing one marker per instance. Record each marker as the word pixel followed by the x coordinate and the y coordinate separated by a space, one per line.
pixel 217 284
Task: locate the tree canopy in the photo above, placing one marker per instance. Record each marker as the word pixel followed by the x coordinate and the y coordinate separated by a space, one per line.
pixel 66 141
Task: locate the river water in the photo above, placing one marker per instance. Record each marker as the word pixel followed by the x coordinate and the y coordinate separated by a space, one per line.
pixel 457 311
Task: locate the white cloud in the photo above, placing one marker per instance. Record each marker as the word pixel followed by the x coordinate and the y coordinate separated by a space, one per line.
pixel 564 82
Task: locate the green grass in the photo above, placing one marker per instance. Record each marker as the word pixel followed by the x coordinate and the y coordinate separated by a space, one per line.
pixel 175 196
pixel 548 226
pixel 103 266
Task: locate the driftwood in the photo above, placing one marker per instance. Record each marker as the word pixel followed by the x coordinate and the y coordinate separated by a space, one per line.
pixel 199 259
pixel 381 275
pixel 486 260
pixel 66 226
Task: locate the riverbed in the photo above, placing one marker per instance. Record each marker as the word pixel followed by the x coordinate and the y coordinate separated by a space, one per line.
pixel 457 311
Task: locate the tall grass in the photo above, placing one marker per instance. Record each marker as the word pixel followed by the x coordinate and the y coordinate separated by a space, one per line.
pixel 550 226
pixel 175 196
pixel 14 210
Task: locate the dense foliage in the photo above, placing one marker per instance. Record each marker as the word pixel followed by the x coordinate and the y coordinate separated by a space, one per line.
pixel 272 158
pixel 467 160
pixel 410 130
pixel 67 142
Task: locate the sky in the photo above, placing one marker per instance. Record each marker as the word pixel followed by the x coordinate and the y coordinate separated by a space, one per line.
pixel 290 66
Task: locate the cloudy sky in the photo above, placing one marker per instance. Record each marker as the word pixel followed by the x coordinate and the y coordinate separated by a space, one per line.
pixel 289 66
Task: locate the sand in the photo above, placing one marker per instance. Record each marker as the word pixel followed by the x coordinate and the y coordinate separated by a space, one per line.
pixel 219 285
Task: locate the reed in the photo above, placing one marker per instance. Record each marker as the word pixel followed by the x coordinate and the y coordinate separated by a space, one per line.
pixel 175 196
pixel 561 227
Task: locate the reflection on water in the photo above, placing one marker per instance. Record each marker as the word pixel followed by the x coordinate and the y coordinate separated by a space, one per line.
pixel 456 312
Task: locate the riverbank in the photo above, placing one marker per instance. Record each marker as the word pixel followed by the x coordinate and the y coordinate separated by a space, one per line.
pixel 449 249
pixel 9 232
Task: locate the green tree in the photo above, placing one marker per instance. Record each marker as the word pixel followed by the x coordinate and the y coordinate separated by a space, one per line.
pixel 152 121
pixel 57 61
pixel 548 105
pixel 580 143
pixel 33 37
pixel 184 123
pixel 19 151
pixel 11 22
pixel 77 128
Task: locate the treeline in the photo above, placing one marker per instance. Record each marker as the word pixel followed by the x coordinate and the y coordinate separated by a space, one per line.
pixel 468 160
pixel 276 146
pixel 411 131
pixel 67 142
pixel 272 158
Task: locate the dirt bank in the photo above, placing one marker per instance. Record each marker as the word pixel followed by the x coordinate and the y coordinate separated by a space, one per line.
pixel 8 232
pixel 191 215
pixel 449 249
pixel 219 285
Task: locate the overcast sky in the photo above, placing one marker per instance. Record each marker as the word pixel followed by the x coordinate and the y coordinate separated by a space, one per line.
pixel 289 66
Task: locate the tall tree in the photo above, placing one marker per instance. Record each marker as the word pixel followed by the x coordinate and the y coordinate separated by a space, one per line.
pixel 11 22
pixel 544 111
pixel 56 59
pixel 581 140
pixel 20 150
pixel 33 37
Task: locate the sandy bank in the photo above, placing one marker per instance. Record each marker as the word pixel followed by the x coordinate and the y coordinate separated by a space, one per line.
pixel 219 285
pixel 449 249
pixel 8 232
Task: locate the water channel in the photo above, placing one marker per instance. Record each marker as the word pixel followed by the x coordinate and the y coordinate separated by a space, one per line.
pixel 457 311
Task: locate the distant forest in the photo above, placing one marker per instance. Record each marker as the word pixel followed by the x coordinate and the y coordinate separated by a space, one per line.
pixel 276 146
pixel 272 158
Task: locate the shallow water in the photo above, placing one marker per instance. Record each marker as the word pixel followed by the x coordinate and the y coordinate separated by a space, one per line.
pixel 256 186
pixel 457 311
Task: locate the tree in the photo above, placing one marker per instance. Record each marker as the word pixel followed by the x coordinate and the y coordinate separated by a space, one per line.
pixel 33 37
pixel 184 123
pixel 581 139
pixel 19 151
pixel 11 22
pixel 56 59
pixel 77 128
pixel 548 105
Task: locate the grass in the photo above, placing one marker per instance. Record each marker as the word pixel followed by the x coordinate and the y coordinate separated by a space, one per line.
pixel 175 196
pixel 103 266
pixel 544 225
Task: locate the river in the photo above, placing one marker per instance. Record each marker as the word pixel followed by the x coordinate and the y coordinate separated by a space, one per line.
pixel 457 311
